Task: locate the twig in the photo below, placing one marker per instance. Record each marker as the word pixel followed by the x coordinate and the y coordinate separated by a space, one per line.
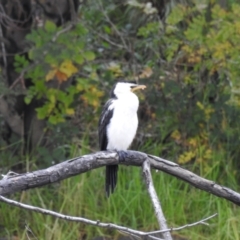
pixel 66 29
pixel 153 237
pixel 203 221
pixel 113 25
pixel 134 235
pixel 155 201
pixel 108 40
pixel 17 80
pixel 97 223
pixel 7 21
pixel 20 78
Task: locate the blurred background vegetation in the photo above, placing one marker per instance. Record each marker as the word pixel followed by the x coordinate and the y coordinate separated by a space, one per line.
pixel 59 60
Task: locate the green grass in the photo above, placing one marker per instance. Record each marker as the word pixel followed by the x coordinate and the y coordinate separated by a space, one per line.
pixel 130 205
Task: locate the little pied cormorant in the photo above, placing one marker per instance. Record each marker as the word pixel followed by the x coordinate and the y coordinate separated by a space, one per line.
pixel 118 125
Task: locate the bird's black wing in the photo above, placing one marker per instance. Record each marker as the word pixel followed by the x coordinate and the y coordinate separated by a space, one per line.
pixel 111 170
pixel 104 120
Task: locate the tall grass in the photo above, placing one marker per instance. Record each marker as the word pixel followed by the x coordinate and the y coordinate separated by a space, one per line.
pixel 130 205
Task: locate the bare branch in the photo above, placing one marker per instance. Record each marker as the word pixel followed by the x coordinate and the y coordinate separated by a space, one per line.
pixel 113 25
pixel 155 201
pixel 203 221
pixel 107 39
pixel 20 78
pixel 86 163
pixel 66 29
pixel 97 223
pixel 71 218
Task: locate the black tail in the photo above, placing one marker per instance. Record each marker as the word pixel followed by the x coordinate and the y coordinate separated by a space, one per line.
pixel 111 179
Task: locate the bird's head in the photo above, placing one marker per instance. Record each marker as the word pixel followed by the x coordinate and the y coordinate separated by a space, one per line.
pixel 122 88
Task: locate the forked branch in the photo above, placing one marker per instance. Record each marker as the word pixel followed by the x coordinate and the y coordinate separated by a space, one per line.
pixel 58 172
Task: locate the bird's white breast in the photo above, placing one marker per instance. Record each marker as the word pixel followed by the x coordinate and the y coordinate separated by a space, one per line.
pixel 123 125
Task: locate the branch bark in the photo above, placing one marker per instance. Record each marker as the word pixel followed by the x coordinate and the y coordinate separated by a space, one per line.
pixel 155 201
pixel 12 184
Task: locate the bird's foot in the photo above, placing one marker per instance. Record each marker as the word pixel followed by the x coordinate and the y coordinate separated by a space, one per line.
pixel 122 155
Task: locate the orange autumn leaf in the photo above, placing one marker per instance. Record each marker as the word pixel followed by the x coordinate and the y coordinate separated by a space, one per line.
pixel 62 72
pixel 61 77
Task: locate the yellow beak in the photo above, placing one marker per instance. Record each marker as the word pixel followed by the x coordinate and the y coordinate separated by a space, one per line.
pixel 138 87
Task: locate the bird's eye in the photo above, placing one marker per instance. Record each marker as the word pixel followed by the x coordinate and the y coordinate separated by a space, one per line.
pixel 133 86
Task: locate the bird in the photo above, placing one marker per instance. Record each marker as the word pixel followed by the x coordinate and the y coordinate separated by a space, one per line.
pixel 118 125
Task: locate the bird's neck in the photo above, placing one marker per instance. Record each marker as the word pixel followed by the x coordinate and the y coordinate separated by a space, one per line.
pixel 128 101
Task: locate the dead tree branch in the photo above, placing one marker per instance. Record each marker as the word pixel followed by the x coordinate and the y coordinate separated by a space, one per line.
pixel 58 172
pixel 97 223
pixel 155 201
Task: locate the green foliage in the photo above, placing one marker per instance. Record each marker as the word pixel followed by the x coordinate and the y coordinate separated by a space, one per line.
pixel 211 42
pixel 20 62
pixel 196 92
pixel 150 29
pixel 53 59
